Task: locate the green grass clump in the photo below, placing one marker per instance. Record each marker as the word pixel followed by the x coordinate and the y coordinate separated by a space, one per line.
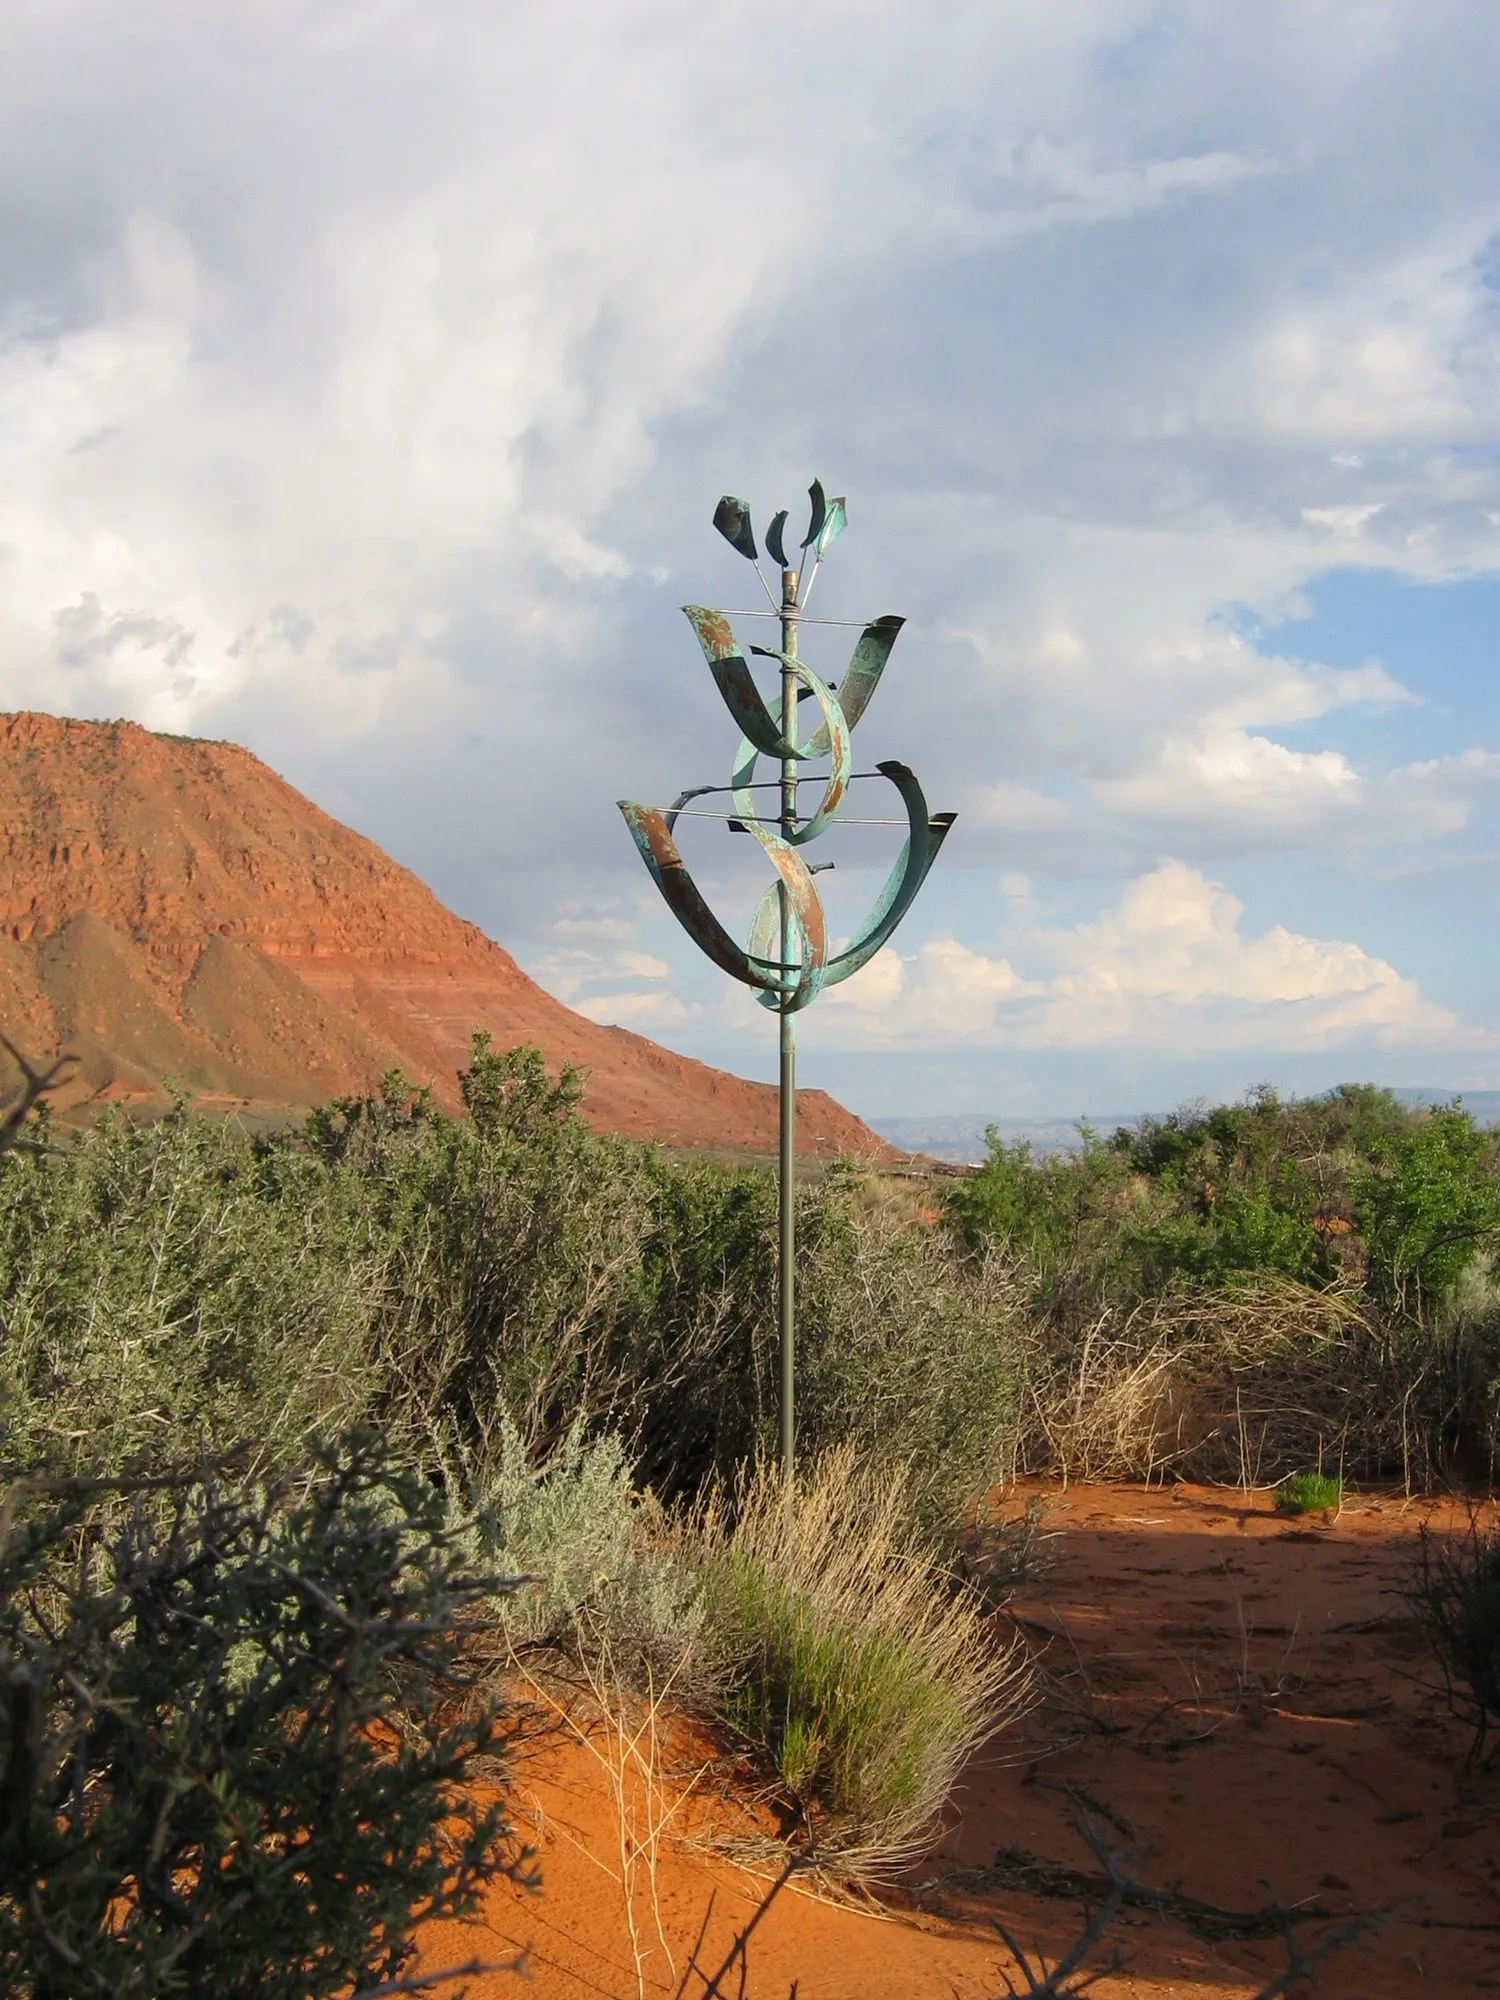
pixel 851 1659
pixel 847 1714
pixel 1309 1493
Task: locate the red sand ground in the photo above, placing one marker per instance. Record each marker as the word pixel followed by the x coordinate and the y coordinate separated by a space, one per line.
pixel 1248 1693
pixel 172 908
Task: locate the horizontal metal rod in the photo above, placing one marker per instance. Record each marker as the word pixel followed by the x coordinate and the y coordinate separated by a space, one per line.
pixel 774 785
pixel 795 617
pixel 685 812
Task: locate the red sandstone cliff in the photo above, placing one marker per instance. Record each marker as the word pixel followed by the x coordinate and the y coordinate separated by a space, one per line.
pixel 171 909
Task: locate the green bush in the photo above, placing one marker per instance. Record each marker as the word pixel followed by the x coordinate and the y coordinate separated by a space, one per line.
pixel 1138 1256
pixel 1427 1202
pixel 229 1758
pixel 1048 1214
pixel 186 1285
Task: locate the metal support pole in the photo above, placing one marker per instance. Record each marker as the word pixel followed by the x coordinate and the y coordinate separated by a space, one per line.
pixel 787 1192
pixel 788 979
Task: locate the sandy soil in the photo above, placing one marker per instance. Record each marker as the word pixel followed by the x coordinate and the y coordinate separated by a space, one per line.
pixel 1247 1697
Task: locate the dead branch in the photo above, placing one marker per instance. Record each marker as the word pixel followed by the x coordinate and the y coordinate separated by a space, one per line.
pixel 35 1085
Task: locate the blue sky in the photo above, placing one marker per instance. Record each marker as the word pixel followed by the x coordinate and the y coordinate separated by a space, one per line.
pixel 369 372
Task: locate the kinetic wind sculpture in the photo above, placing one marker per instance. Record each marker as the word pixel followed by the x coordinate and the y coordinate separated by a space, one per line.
pixel 786 957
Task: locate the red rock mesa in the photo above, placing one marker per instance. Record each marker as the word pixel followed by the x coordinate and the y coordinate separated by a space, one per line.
pixel 170 909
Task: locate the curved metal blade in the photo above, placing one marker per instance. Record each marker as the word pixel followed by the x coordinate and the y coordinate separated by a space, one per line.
pixel 765 946
pixel 832 528
pixel 732 519
pixel 865 668
pixel 743 699
pixel 715 634
pixel 648 827
pixel 819 513
pixel 735 682
pixel 773 540
pixel 918 852
pixel 659 851
pixel 832 733
pixel 692 792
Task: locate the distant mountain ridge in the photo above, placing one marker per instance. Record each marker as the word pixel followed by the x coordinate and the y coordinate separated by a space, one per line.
pixel 172 910
pixel 962 1138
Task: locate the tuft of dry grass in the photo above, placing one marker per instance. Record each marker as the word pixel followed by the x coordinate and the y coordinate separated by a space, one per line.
pixel 855 1660
pixel 622 1734
pixel 1239 1385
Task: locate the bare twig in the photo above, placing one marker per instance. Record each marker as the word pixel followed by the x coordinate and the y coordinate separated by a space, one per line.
pixel 713 1987
pixel 1302 1959
pixel 1106 1893
pixel 1014 1868
pixel 423 1982
pixel 35 1085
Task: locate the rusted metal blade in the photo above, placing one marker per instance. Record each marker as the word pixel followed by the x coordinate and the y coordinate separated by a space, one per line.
pixel 743 699
pixel 659 851
pixel 735 682
pixel 859 683
pixel 732 519
pixel 832 736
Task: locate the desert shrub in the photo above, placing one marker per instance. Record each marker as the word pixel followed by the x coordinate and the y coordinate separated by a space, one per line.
pixel 1237 1291
pixel 1455 1593
pixel 1235 1230
pixel 904 1351
pixel 179 1286
pixel 228 1758
pixel 703 1339
pixel 1120 1221
pixel 1426 1203
pixel 1233 1291
pixel 186 1285
pixel 599 1580
pixel 511 1241
pixel 1041 1211
pixel 853 1660
pixel 1309 1493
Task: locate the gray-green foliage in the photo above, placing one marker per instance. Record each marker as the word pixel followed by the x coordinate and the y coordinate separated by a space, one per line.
pixel 906 1351
pixel 600 1580
pixel 178 1284
pixel 202 1684
pixel 188 1285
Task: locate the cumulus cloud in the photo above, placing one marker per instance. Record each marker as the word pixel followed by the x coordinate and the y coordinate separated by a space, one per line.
pixel 1239 790
pixel 367 376
pixel 1168 967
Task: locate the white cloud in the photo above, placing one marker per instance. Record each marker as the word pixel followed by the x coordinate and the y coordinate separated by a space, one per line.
pixel 645 1012
pixel 367 377
pixel 1168 967
pixel 1240 789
